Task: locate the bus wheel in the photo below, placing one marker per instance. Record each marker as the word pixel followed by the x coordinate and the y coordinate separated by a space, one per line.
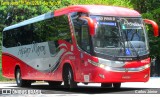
pixel 20 82
pixel 54 83
pixel 104 85
pixel 117 85
pixel 68 79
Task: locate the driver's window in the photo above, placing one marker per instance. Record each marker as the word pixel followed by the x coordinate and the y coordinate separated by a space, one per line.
pixel 85 38
pixel 82 33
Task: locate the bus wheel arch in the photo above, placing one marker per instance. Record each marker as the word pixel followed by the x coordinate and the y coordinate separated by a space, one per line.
pixel 68 76
pixel 19 81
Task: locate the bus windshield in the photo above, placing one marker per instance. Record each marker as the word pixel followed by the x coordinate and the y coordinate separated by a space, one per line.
pixel 119 37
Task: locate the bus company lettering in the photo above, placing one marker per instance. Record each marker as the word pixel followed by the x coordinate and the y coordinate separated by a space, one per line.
pixel 38 49
pixel 131 24
pixel 24 51
pixel 35 48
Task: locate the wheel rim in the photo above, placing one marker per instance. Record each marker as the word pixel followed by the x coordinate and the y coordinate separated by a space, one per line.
pixel 69 77
pixel 18 77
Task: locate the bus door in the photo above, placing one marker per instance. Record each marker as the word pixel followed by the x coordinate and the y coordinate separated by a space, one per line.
pixel 84 46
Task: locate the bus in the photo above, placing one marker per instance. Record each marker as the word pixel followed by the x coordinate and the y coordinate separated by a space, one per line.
pixel 78 44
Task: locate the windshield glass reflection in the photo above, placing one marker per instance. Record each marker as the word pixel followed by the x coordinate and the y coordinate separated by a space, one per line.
pixel 119 36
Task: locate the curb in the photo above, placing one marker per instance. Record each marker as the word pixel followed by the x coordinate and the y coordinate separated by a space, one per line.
pixel 7 82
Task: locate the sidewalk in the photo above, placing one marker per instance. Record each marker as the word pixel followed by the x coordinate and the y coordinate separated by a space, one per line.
pixel 154 82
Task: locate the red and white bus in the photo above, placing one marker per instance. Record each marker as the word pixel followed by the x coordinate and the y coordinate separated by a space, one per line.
pixel 81 43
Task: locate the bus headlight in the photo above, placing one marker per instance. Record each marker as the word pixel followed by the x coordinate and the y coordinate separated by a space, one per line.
pixel 108 68
pixel 146 66
pixel 103 63
pixel 111 63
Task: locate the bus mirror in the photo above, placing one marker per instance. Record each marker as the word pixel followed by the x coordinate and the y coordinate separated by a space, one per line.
pixel 90 24
pixel 154 25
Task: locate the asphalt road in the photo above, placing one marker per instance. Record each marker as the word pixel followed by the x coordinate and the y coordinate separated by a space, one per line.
pixel 43 88
pixel 46 89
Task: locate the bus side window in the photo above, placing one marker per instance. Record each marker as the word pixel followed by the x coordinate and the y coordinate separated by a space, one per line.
pixel 85 38
pixel 10 40
pixel 82 34
pixel 81 31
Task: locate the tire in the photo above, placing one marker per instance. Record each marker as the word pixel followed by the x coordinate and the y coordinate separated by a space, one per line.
pixel 104 85
pixel 20 82
pixel 69 79
pixel 54 83
pixel 116 85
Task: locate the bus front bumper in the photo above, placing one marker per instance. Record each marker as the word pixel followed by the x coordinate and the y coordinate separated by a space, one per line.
pixel 104 76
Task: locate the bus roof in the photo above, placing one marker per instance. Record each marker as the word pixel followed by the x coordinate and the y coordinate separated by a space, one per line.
pixel 91 9
pixel 99 10
pixel 29 21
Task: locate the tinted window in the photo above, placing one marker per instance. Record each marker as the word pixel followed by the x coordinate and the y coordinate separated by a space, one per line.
pixel 51 29
pixel 85 44
pixel 82 33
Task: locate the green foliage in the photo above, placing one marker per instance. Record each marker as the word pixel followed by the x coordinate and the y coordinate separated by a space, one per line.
pixel 124 3
pixel 144 6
